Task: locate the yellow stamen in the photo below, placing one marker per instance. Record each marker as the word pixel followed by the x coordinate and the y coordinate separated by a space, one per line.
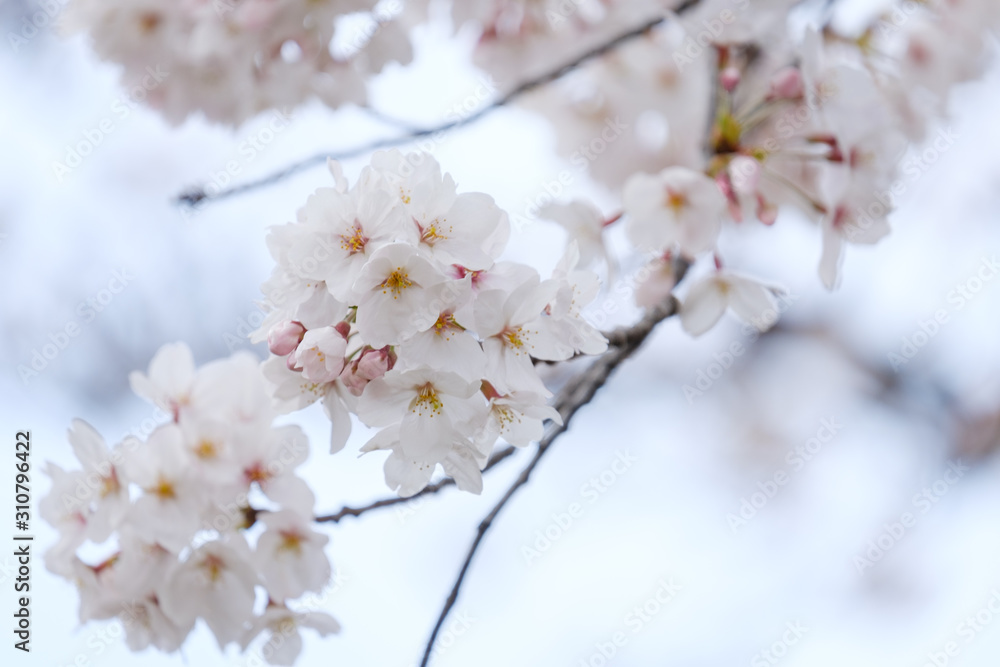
pixel 397 281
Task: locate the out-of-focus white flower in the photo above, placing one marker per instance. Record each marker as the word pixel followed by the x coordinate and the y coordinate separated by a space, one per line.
pixel 167 511
pixel 709 298
pixel 289 555
pixel 216 583
pixel 584 223
pixel 172 513
pixel 232 60
pixel 281 625
pixel 676 207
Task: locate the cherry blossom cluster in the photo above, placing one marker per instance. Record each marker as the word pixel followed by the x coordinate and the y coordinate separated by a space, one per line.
pixel 388 302
pixel 525 38
pixel 173 518
pixel 232 59
pixel 729 121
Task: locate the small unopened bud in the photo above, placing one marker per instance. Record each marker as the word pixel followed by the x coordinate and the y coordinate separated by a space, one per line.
pixel 353 382
pixel 343 328
pixel 729 78
pixel 767 212
pixel 786 84
pixel 284 337
pixel 373 364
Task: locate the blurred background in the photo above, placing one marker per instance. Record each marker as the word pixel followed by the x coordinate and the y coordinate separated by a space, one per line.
pixel 769 505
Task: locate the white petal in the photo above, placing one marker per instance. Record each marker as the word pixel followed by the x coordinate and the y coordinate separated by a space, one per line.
pixel 829 263
pixel 703 307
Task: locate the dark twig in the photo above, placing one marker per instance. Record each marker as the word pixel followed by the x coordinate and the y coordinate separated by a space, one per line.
pixel 427 490
pixel 198 195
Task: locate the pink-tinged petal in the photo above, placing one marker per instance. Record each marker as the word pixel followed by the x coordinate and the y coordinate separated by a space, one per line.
pixel 382 403
pixel 703 307
pixel 322 623
pixel 284 646
pixel 750 301
pixel 290 492
pixel 866 230
pixel 89 446
pixel 461 466
pixel 829 263
pixel 340 421
pixel 406 476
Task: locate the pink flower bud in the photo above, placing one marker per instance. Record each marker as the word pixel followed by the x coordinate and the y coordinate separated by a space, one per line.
pixel 353 382
pixel 786 84
pixel 744 173
pixel 343 328
pixel 284 337
pixel 729 78
pixel 373 364
pixel 767 212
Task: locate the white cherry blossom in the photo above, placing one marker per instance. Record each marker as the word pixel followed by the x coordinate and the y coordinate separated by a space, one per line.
pixel 708 299
pixel 677 206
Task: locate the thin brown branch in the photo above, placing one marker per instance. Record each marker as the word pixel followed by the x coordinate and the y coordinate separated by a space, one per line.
pixel 575 394
pixel 426 491
pixel 198 195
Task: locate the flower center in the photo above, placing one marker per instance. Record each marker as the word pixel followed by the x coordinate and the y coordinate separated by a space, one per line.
pixel 213 566
pixel 432 233
pixel 110 484
pixel 354 242
pixel 446 324
pixel 206 449
pixel 675 201
pixel 427 400
pixel 505 416
pixel 291 541
pixel 512 337
pixel 396 282
pixel 164 488
pixel 256 473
